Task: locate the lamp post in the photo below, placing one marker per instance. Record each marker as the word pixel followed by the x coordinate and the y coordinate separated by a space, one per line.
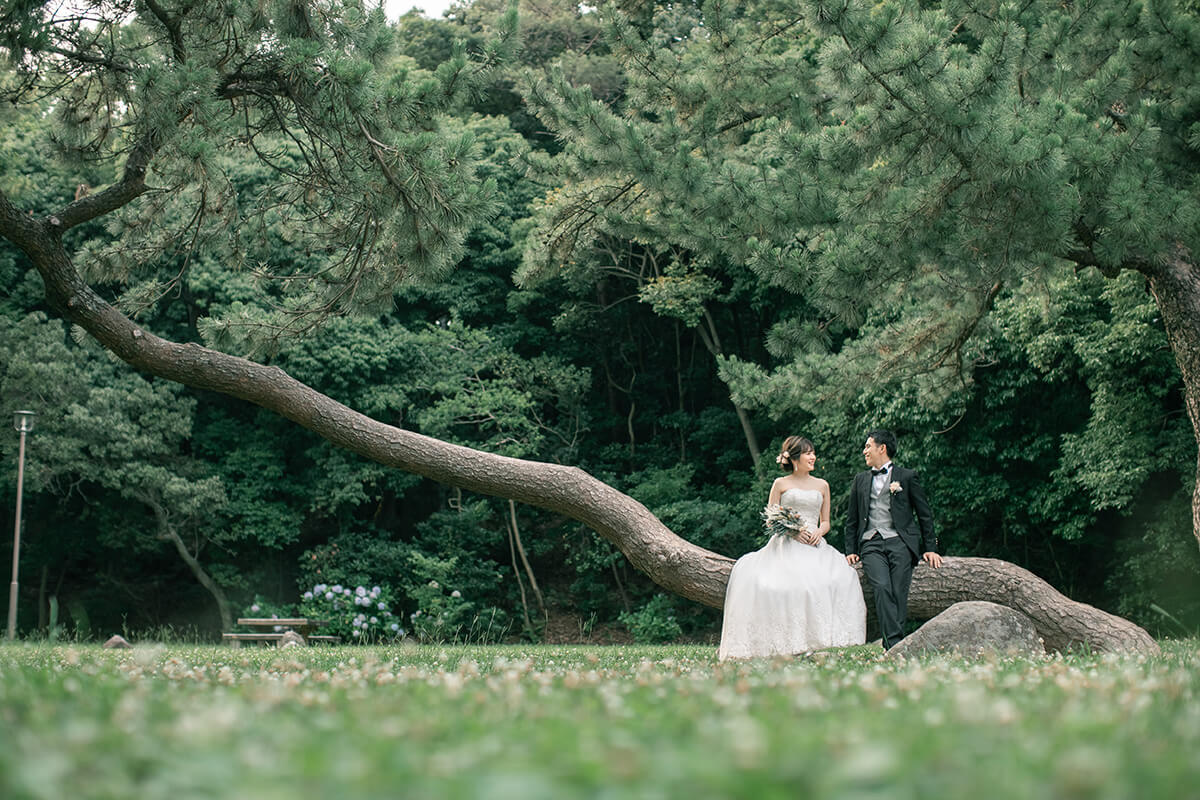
pixel 23 424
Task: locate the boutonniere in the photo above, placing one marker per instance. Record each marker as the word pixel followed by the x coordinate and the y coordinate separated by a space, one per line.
pixel 895 486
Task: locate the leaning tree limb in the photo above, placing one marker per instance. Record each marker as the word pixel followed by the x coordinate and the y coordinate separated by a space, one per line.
pixel 1062 622
pixel 669 560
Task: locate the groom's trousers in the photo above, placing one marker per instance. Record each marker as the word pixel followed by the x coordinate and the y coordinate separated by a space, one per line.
pixel 888 565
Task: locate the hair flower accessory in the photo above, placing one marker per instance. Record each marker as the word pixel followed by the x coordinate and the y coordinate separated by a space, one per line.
pixel 782 457
pixel 895 486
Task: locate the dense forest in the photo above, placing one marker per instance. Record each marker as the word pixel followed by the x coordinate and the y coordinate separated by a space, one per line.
pixel 667 237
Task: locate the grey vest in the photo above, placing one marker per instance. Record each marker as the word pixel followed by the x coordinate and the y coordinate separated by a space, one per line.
pixel 879 514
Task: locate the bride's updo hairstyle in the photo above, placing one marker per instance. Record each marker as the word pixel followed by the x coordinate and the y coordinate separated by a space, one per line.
pixel 792 446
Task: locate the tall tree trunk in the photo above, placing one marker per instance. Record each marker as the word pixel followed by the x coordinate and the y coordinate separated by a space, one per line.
pixel 712 342
pixel 673 563
pixel 205 580
pixel 167 532
pixel 1175 284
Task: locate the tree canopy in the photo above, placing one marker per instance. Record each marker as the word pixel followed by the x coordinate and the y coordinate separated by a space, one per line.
pixel 645 247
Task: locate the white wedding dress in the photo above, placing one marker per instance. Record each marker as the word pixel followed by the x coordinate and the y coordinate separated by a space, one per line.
pixel 791 597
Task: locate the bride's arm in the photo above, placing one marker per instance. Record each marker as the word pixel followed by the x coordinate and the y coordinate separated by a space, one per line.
pixel 776 493
pixel 823 528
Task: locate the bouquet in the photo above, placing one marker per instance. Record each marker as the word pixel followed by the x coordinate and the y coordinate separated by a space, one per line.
pixel 784 520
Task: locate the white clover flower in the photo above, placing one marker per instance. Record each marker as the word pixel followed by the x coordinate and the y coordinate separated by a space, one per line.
pixel 337 588
pixel 356 632
pixel 357 623
pixel 360 591
pixel 347 592
pixel 456 593
pixel 278 628
pixel 374 621
pixel 320 587
pixel 255 607
pixel 308 595
pixel 433 585
pixel 329 595
pixel 382 605
pixel 375 590
pixel 395 626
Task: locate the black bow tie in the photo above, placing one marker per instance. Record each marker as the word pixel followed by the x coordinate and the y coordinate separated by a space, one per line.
pixel 875 472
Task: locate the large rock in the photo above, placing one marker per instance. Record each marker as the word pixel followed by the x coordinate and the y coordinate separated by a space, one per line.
pixel 972 628
pixel 117 643
pixel 292 639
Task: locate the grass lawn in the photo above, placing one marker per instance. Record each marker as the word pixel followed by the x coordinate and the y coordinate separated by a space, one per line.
pixel 527 722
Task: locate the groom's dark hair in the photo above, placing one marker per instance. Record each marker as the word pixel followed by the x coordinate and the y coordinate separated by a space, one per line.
pixel 885 438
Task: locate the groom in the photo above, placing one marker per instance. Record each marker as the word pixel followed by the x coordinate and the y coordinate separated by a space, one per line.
pixel 888 527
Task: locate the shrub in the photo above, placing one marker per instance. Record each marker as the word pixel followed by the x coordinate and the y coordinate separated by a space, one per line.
pixel 358 614
pixel 266 609
pixel 654 624
pixel 443 614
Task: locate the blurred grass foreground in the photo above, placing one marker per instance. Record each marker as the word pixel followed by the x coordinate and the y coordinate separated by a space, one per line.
pixel 529 722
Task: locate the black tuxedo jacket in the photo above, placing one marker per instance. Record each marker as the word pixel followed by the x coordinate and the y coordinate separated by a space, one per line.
pixel 910 512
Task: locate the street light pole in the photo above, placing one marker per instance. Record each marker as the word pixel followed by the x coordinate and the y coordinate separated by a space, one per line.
pixel 23 423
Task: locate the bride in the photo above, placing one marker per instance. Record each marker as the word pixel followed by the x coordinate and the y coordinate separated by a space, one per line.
pixel 796 594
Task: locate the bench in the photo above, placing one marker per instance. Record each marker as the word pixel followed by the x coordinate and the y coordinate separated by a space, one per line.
pixel 298 625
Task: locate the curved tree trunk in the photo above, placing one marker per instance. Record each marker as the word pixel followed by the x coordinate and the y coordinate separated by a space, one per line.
pixel 675 564
pixel 1061 622
pixel 167 533
pixel 202 576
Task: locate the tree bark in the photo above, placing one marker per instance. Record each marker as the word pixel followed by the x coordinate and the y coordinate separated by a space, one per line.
pixel 712 342
pixel 1175 285
pixel 167 533
pixel 673 563
pixel 1062 623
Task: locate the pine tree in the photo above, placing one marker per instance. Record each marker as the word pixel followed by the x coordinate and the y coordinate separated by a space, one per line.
pixel 355 168
pixel 903 165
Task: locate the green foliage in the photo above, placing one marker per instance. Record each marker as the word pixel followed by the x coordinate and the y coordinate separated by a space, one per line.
pixel 721 521
pixel 471 537
pixel 265 608
pixel 353 558
pixel 444 614
pixel 653 623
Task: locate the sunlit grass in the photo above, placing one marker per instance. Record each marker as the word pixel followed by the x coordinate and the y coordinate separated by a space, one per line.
pixel 539 721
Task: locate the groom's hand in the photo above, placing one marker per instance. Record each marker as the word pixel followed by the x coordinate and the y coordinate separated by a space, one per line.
pixel 933 559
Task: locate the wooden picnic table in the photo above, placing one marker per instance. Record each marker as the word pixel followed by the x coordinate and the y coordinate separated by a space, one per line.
pixel 278 627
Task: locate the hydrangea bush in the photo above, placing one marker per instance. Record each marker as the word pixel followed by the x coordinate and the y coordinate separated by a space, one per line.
pixel 355 613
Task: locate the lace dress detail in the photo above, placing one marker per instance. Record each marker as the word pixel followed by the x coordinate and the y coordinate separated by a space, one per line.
pixel 791 597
